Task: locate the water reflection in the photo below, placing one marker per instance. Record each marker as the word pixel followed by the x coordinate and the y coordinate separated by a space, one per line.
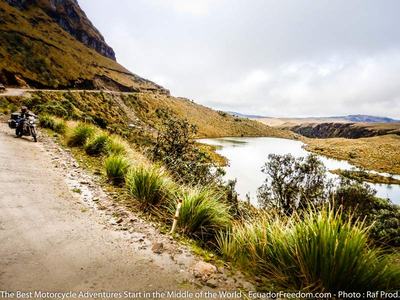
pixel 247 155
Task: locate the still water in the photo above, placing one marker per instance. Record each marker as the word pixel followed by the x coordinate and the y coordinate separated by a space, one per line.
pixel 247 155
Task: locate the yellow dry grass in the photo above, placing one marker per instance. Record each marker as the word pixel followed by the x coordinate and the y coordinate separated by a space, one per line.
pixel 380 153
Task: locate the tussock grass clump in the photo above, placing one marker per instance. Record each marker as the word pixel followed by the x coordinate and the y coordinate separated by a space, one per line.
pixel 46 121
pixel 149 185
pixel 115 146
pixel 97 145
pixel 60 127
pixel 116 167
pixel 322 252
pixel 80 134
pixel 202 212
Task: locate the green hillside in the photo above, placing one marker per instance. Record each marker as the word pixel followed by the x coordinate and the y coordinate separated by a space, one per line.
pixel 118 110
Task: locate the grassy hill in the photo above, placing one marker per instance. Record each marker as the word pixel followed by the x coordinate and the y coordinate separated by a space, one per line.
pixel 117 110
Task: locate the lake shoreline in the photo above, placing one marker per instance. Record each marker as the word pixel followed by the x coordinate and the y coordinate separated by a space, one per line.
pixel 366 176
pixel 378 153
pixel 246 156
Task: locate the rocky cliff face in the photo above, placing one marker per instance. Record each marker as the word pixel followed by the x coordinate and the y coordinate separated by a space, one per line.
pixel 51 44
pixel 346 130
pixel 72 19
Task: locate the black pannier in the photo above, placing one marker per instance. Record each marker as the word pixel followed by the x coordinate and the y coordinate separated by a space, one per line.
pixel 15 115
pixel 12 123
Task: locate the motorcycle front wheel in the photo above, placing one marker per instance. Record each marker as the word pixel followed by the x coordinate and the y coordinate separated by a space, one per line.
pixel 18 132
pixel 34 135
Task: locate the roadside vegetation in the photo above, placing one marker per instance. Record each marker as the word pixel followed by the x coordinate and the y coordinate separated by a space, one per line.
pixel 319 251
pixel 308 232
pixel 116 167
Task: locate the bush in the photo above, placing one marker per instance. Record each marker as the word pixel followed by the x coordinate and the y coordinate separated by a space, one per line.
pixel 175 147
pixel 148 185
pixel 202 213
pixel 80 135
pixel 322 252
pixel 293 183
pixel 359 199
pixel 98 145
pixel 116 168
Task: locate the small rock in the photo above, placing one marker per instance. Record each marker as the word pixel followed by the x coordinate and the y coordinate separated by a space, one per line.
pixel 96 199
pixel 119 221
pixel 157 248
pixel 204 270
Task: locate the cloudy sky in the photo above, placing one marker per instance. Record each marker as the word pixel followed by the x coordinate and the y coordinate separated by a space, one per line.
pixel 274 58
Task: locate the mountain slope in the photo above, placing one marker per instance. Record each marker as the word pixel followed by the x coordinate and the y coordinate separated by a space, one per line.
pixel 43 45
pixel 36 51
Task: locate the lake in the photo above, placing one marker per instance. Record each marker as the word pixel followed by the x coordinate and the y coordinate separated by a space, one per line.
pixel 246 156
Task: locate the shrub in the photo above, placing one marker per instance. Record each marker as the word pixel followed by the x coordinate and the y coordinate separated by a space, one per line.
pixel 359 199
pixel 322 252
pixel 98 145
pixel 80 135
pixel 202 213
pixel 175 147
pixel 293 183
pixel 116 168
pixel 148 185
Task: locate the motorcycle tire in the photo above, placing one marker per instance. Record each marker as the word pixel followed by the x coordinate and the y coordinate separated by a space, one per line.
pixel 34 135
pixel 18 133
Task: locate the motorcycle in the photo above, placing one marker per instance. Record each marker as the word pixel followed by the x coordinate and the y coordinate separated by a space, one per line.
pixel 24 126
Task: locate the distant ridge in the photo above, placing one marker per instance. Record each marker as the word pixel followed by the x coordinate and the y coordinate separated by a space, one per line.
pixel 368 119
pixel 348 118
pixel 236 114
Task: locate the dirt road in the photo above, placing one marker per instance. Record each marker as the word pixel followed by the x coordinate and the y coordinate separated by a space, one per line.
pixel 49 243
pixel 21 91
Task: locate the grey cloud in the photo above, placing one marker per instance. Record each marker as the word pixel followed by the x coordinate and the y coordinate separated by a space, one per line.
pixel 279 58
